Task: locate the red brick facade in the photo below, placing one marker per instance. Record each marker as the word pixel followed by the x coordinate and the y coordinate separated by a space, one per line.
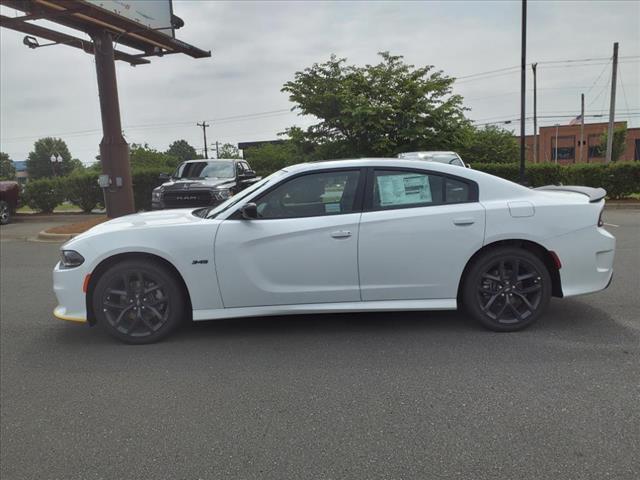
pixel 569 147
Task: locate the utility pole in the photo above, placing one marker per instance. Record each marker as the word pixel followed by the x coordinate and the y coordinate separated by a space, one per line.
pixel 581 125
pixel 114 150
pixel 612 103
pixel 523 65
pixel 204 126
pixel 535 114
pixel 217 151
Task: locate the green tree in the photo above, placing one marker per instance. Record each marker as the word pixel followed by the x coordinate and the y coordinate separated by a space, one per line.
pixel 182 151
pixel 272 157
pixel 229 150
pixel 39 164
pixel 143 156
pixel 619 143
pixel 380 109
pixel 491 144
pixel 7 169
pixel 77 166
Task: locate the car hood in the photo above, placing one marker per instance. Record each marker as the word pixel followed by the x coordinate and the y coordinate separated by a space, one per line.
pixel 195 184
pixel 159 218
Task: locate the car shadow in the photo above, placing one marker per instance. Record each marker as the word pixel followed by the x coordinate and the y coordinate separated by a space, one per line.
pixel 567 321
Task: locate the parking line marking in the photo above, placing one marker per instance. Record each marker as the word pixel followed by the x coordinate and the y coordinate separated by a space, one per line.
pixel 611 225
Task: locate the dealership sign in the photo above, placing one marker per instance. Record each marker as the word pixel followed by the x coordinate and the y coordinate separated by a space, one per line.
pixel 154 14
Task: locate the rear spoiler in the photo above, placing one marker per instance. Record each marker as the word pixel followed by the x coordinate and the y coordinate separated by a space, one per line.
pixel 594 194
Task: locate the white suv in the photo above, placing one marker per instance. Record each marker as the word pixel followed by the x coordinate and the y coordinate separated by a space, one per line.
pixel 452 158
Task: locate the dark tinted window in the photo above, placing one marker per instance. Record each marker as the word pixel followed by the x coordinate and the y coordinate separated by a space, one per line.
pixel 456 191
pixel 324 193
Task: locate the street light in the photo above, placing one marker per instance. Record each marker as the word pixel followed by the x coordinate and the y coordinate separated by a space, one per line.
pixel 55 158
pixel 555 155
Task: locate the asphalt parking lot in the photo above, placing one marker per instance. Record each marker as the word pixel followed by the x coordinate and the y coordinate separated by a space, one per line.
pixel 403 395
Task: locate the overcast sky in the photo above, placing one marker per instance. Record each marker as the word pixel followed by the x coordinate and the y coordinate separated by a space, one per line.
pixel 258 46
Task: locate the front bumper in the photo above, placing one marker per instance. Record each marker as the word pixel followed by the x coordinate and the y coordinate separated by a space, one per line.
pixel 68 288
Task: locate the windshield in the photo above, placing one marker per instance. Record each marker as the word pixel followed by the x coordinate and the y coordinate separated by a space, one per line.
pixel 213 212
pixel 205 169
pixel 442 158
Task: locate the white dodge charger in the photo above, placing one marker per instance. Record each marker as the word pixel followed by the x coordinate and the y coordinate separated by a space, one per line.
pixel 342 236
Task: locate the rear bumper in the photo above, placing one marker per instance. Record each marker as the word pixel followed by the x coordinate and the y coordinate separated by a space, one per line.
pixel 587 260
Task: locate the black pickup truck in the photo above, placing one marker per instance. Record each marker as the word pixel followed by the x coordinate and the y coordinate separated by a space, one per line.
pixel 202 183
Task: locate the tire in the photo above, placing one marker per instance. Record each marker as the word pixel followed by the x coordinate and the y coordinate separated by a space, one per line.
pixel 134 314
pixel 501 300
pixel 5 213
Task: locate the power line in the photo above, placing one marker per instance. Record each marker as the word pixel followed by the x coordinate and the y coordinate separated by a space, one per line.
pixel 624 93
pixel 221 120
pixel 570 62
pixel 598 78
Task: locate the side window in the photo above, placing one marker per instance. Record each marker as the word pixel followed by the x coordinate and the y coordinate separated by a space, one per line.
pixel 456 191
pixel 240 168
pixel 393 188
pixel 323 193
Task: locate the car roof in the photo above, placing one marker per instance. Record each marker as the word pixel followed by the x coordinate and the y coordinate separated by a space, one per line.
pixel 214 160
pixel 374 162
pixel 494 187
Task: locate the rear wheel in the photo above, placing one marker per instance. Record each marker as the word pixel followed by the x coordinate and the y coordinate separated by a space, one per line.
pixel 507 289
pixel 5 213
pixel 138 302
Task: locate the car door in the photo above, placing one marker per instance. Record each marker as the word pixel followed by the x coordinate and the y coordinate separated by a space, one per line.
pixel 301 249
pixel 417 232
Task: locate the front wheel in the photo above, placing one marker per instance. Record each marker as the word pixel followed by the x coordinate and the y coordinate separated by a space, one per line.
pixel 507 289
pixel 138 302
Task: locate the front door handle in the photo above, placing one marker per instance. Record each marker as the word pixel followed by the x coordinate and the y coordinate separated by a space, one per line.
pixel 341 234
pixel 463 221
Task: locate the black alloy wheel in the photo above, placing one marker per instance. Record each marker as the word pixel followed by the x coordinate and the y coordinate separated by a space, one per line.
pixel 5 213
pixel 507 289
pixel 138 302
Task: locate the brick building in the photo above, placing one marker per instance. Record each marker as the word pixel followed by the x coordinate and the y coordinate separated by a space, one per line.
pixel 568 139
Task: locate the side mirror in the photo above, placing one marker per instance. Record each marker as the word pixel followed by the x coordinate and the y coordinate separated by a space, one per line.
pixel 249 211
pixel 164 177
pixel 249 173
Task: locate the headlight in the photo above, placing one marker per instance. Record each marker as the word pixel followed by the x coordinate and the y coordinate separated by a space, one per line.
pixel 70 259
pixel 157 194
pixel 222 194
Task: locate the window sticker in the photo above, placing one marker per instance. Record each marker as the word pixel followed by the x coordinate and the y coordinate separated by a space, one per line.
pixel 403 189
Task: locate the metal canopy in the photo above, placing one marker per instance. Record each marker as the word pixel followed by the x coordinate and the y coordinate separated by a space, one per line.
pixel 88 18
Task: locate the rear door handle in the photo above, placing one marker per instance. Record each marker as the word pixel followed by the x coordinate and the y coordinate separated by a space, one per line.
pixel 341 234
pixel 463 221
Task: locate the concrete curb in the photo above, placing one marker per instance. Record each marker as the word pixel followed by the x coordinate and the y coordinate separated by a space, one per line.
pixel 45 236
pixel 62 217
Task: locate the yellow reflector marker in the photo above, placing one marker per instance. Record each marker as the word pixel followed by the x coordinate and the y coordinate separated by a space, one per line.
pixel 68 318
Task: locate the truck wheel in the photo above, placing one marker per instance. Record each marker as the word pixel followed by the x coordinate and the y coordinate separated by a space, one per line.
pixel 5 213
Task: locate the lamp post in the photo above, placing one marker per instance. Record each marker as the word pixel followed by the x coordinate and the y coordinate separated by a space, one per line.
pixel 55 158
pixel 555 153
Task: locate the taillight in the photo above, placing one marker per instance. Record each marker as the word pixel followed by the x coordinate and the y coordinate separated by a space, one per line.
pixel 600 221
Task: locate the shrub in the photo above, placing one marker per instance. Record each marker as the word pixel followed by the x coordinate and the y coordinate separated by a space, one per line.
pixel 144 181
pixel 82 190
pixel 619 179
pixel 509 171
pixel 44 194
